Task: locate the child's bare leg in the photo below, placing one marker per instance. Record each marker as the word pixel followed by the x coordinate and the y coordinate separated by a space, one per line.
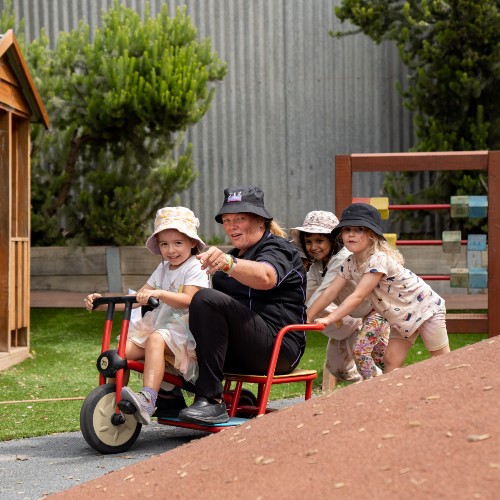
pixel 444 350
pixel 133 351
pixel 154 367
pixel 395 354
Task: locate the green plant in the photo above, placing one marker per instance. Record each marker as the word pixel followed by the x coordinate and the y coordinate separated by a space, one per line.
pixel 50 386
pixel 119 101
pixel 215 240
pixel 450 49
pixel 451 52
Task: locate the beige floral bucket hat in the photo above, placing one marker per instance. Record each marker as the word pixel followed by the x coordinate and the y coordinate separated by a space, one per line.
pixel 180 218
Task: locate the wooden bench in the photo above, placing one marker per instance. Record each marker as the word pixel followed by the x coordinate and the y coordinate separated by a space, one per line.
pixel 458 322
pixel 467 322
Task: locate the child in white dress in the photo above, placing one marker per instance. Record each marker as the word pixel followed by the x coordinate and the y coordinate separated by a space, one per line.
pixel 410 306
pixel 162 337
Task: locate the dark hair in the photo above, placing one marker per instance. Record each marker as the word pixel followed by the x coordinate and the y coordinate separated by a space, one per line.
pixel 336 244
pixel 195 250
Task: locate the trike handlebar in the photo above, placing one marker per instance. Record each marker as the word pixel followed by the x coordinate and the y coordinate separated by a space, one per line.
pixel 125 299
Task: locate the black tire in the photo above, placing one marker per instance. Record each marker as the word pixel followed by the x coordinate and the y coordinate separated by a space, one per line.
pixel 247 398
pixel 97 427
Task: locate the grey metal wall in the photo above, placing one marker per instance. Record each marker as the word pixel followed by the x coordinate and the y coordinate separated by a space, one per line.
pixel 293 98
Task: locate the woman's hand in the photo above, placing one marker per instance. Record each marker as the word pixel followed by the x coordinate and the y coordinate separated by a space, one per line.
pixel 213 260
pixel 89 300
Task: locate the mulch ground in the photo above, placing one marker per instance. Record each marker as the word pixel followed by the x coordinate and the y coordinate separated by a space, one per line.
pixel 428 431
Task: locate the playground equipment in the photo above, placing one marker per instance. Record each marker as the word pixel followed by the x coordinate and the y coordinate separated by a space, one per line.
pixel 489 161
pixel 20 104
pixel 474 276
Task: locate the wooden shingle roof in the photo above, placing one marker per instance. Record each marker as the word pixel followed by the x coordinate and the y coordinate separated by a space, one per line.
pixel 17 89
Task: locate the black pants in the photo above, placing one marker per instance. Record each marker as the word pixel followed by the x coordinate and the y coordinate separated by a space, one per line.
pixel 231 338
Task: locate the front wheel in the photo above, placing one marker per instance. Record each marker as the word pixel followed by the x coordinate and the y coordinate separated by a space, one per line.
pixel 96 422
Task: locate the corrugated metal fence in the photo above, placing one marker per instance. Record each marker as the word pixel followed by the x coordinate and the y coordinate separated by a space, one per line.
pixel 293 98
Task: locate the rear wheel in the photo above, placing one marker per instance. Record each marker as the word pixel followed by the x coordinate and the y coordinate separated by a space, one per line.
pixel 247 398
pixel 100 425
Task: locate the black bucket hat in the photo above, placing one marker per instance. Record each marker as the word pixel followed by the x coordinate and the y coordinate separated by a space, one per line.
pixel 249 199
pixel 361 215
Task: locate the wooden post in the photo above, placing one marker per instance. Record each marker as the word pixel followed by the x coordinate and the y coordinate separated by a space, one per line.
pixel 343 183
pixel 493 243
pixel 329 381
pixel 5 184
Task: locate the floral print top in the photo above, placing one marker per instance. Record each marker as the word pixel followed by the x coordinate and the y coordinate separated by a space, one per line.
pixel 401 297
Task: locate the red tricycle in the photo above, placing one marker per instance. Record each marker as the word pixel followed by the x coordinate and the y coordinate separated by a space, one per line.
pixel 107 429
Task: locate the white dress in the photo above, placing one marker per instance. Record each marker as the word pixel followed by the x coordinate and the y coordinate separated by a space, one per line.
pixel 171 323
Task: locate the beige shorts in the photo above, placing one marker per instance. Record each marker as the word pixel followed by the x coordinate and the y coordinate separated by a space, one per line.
pixel 433 332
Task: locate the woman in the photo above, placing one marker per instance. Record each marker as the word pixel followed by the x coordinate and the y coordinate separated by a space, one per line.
pixel 258 287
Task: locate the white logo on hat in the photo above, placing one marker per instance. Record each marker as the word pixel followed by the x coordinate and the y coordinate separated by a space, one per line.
pixel 234 197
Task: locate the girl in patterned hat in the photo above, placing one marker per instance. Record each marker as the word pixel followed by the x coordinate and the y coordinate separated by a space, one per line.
pixel 163 333
pixel 357 343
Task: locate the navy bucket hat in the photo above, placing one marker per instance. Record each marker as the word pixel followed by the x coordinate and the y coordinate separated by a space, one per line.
pixel 361 215
pixel 249 199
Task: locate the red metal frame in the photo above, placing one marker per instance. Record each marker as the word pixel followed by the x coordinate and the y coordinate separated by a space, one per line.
pixel 265 382
pixel 231 395
pixel 424 242
pixel 428 206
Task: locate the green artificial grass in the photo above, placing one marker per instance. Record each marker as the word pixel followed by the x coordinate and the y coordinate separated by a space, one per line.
pixel 65 344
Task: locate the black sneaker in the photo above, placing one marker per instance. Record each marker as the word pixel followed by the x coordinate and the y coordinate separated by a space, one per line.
pixel 169 407
pixel 204 411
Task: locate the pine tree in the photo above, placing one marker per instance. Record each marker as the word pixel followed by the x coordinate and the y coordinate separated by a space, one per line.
pixel 119 102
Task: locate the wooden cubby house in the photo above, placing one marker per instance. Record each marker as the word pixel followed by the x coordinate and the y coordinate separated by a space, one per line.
pixel 20 104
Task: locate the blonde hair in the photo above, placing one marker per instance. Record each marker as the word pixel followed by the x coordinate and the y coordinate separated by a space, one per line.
pixel 380 244
pixel 275 228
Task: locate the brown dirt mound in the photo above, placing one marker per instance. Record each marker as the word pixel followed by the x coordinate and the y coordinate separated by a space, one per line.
pixel 431 430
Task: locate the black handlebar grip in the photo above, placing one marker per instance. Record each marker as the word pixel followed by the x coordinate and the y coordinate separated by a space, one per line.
pixel 153 302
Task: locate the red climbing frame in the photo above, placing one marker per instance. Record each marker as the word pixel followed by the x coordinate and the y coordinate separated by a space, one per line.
pixel 345 165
